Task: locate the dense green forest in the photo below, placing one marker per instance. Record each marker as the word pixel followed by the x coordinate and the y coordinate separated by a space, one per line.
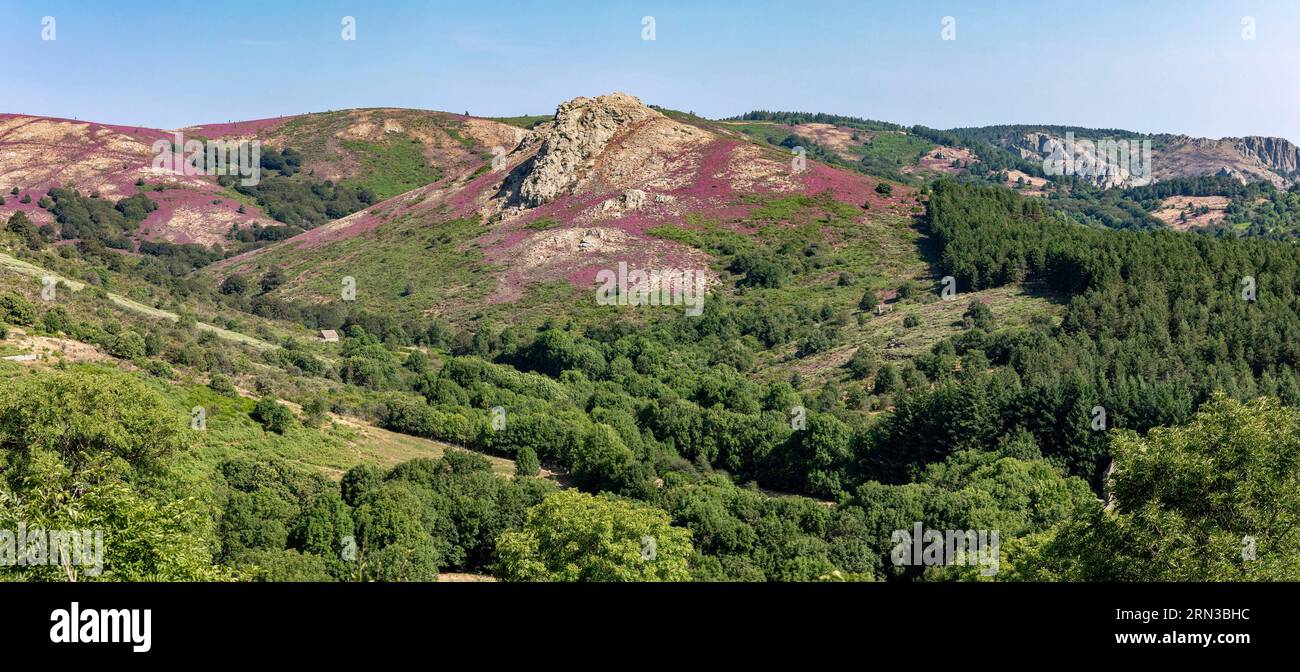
pixel 1173 355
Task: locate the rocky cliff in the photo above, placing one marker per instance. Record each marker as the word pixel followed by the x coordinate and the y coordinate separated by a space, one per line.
pixel 615 139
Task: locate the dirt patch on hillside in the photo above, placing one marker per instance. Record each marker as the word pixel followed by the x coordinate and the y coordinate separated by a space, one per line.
pixel 560 246
pixel 1191 212
pixel 494 134
pixel 1014 176
pixel 752 168
pixel 189 225
pixel 50 350
pixel 838 139
pixel 1027 184
pixel 578 254
pixel 941 160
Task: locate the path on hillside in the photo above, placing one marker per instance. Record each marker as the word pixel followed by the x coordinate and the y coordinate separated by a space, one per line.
pixel 25 268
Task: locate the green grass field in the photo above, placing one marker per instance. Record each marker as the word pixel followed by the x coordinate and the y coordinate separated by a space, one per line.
pixel 392 167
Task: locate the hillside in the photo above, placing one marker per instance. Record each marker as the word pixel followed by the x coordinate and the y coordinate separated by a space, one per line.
pixel 1245 159
pixel 314 168
pixel 608 181
pixel 321 167
pixel 1017 155
pixel 876 148
pixel 869 351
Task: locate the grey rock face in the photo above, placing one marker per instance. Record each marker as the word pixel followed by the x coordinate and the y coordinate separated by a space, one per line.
pixel 581 130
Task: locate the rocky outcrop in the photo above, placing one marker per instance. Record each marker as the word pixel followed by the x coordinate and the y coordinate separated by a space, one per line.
pixel 607 144
pixel 1248 159
pixel 571 144
pixel 1092 160
pixel 1278 154
pixel 633 199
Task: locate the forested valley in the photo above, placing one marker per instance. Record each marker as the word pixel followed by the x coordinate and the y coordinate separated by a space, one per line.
pixel 1141 433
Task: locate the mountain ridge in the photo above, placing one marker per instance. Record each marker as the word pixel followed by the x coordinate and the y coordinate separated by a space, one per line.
pixel 599 185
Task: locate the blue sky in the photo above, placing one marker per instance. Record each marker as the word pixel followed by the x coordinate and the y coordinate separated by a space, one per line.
pixel 1165 66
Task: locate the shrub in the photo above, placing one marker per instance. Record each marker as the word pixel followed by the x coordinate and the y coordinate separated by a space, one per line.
pixel 818 341
pixel 526 463
pixel 572 536
pixel 274 416
pixel 126 345
pixel 235 284
pixel 542 224
pixel 314 412
pixel 978 316
pixel 222 385
pixel 863 364
pixel 158 368
pixel 57 321
pixel 15 309
pixel 868 301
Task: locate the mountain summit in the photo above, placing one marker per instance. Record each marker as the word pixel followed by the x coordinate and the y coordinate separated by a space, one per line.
pixel 573 145
pixel 608 180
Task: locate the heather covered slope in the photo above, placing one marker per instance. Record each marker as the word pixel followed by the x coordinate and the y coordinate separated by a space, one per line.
pixel 609 180
pixel 381 152
pixel 112 162
pixel 38 152
pixel 388 150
